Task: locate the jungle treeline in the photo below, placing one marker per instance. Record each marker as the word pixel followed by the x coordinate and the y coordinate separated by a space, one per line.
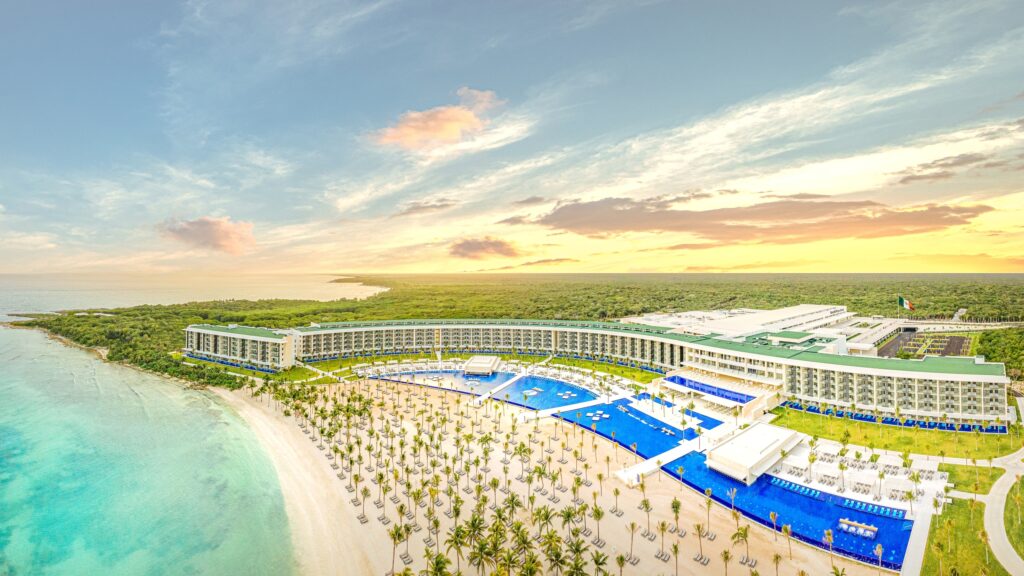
pixel 144 335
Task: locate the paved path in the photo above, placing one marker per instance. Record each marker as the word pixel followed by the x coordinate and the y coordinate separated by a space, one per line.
pixel 913 560
pixel 995 502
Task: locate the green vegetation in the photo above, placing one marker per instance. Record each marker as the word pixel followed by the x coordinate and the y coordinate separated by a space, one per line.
pixel 957 541
pixel 1005 346
pixel 636 374
pixel 1013 516
pixel 976 479
pixel 143 335
pixel 899 439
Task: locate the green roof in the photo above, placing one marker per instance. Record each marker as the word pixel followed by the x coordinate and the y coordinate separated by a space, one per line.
pixel 241 331
pixel 790 335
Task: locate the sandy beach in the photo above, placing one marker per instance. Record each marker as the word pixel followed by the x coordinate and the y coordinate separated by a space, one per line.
pixel 328 538
pixel 325 534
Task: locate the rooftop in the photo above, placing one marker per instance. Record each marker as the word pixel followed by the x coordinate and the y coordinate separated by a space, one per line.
pixel 240 330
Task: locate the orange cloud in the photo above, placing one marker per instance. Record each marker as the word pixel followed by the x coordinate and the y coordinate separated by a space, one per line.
pixel 426 129
pixel 209 233
pixel 476 248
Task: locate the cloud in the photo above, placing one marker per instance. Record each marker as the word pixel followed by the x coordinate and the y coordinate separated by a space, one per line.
pixel 941 169
pixel 210 233
pixel 476 248
pixel 775 222
pixel 443 125
pixel 417 208
pixel 689 246
pixel 542 262
pixel 530 201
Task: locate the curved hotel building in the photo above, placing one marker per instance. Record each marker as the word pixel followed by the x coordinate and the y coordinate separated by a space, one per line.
pixel 777 355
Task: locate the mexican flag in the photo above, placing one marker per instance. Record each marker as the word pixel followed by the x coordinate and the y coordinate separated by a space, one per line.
pixel 904 303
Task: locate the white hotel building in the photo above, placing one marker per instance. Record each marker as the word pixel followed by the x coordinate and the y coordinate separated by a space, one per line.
pixel 791 351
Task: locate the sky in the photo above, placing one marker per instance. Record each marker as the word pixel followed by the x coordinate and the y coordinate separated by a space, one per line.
pixel 531 136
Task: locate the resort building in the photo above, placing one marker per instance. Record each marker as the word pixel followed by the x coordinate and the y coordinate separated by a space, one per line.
pixel 752 368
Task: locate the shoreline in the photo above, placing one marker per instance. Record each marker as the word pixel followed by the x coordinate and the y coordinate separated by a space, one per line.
pixel 325 537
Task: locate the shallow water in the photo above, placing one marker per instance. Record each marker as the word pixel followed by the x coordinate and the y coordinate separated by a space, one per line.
pixel 106 470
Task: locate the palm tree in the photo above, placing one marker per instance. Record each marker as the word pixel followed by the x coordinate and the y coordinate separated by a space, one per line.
pixel 742 535
pixel 365 493
pixel 396 534
pixel 776 560
pixel 676 507
pixel 620 561
pixel 787 531
pixel 827 538
pixel 616 493
pixel 645 506
pixel 597 513
pixel 662 528
pixel 983 536
pixel 457 541
pixel 726 557
pixel 675 556
pixel 773 516
pixel 878 552
pixel 699 529
pixel 632 536
pixel 600 560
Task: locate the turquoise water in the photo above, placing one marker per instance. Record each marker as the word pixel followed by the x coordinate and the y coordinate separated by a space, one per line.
pixel 106 470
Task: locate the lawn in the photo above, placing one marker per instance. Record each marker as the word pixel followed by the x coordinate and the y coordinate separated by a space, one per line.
pixel 291 375
pixel 1012 517
pixel 635 374
pixel 958 535
pixel 965 477
pixel 343 364
pixel 913 440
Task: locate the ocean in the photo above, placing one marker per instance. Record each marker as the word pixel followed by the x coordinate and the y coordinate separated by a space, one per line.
pixel 108 470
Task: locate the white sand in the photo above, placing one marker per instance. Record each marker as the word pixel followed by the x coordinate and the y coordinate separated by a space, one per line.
pixel 327 538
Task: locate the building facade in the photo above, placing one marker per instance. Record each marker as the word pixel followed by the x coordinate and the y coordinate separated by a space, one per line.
pixel 795 365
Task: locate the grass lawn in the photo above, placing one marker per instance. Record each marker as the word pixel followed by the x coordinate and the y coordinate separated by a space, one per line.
pixel 344 364
pixel 1013 517
pixel 962 547
pixel 291 375
pixel 914 440
pixel 964 477
pixel 636 374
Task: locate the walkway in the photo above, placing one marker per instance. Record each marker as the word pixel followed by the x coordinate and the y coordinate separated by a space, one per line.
pixel 632 474
pixel 913 560
pixel 995 503
pixel 481 399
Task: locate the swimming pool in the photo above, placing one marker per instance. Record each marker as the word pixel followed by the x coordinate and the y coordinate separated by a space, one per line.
pixel 540 393
pixel 709 389
pixel 472 384
pixel 629 425
pixel 809 515
pixel 706 422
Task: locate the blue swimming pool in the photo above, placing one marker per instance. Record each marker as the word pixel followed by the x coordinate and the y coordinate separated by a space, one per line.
pixel 905 423
pixel 629 425
pixel 647 396
pixel 706 422
pixel 809 515
pixel 466 383
pixel 540 393
pixel 710 389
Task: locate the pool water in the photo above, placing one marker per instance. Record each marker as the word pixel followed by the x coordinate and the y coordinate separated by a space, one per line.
pixel 710 389
pixel 540 393
pixel 629 425
pixel 458 379
pixel 808 516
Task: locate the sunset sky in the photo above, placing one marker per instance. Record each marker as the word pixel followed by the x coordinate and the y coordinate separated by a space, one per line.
pixel 533 136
